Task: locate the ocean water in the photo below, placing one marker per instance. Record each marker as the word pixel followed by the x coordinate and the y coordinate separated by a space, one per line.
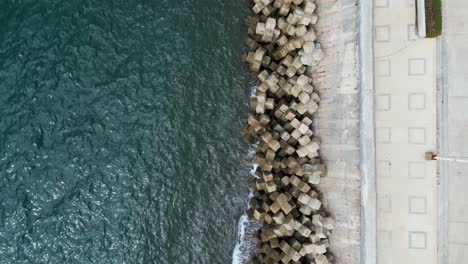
pixel 120 131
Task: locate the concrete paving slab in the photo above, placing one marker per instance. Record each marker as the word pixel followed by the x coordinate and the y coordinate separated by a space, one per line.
pixel 457 23
pixel 458 127
pixel 458 232
pixel 458 253
pixel 458 194
pixel 458 82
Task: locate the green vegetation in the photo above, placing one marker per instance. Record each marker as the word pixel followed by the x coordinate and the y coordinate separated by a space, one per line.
pixel 433 18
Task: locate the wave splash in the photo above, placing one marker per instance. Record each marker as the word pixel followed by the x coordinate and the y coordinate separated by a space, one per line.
pixel 247 228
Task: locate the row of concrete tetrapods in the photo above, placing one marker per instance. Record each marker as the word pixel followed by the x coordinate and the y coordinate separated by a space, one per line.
pixel 283 48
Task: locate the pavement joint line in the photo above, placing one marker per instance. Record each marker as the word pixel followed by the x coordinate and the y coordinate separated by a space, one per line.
pixel 458 243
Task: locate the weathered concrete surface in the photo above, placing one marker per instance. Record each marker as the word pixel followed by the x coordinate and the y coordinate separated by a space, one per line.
pixel 453 124
pixel 337 123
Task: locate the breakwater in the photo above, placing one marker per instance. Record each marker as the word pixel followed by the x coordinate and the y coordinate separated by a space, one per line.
pixel 284 50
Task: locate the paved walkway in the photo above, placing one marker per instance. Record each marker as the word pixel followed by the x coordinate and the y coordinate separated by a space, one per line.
pixel 405 121
pixel 454 132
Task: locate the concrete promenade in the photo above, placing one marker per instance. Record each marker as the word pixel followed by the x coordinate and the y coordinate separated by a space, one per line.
pixel 420 102
pixel 453 124
pixel 413 92
pixel 405 125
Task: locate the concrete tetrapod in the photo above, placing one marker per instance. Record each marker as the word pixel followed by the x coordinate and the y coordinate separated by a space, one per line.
pixel 283 45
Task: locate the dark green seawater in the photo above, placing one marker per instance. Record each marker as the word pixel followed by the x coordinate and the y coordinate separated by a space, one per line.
pixel 120 130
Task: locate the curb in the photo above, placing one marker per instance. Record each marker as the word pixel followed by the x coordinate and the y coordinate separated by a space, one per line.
pixel 367 131
pixel 421 18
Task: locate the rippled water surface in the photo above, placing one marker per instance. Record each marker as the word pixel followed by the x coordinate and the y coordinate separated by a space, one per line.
pixel 120 130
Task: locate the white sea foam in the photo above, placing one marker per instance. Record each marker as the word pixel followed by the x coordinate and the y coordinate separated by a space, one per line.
pixel 247 227
pixel 253 91
pixel 239 256
pixel 245 246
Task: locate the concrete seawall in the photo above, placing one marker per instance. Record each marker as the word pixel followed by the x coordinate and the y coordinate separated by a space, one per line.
pixel 338 121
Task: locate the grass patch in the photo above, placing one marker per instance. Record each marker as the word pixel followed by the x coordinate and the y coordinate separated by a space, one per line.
pixel 433 18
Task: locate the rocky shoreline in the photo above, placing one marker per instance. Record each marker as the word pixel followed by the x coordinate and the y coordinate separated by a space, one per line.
pixel 284 49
